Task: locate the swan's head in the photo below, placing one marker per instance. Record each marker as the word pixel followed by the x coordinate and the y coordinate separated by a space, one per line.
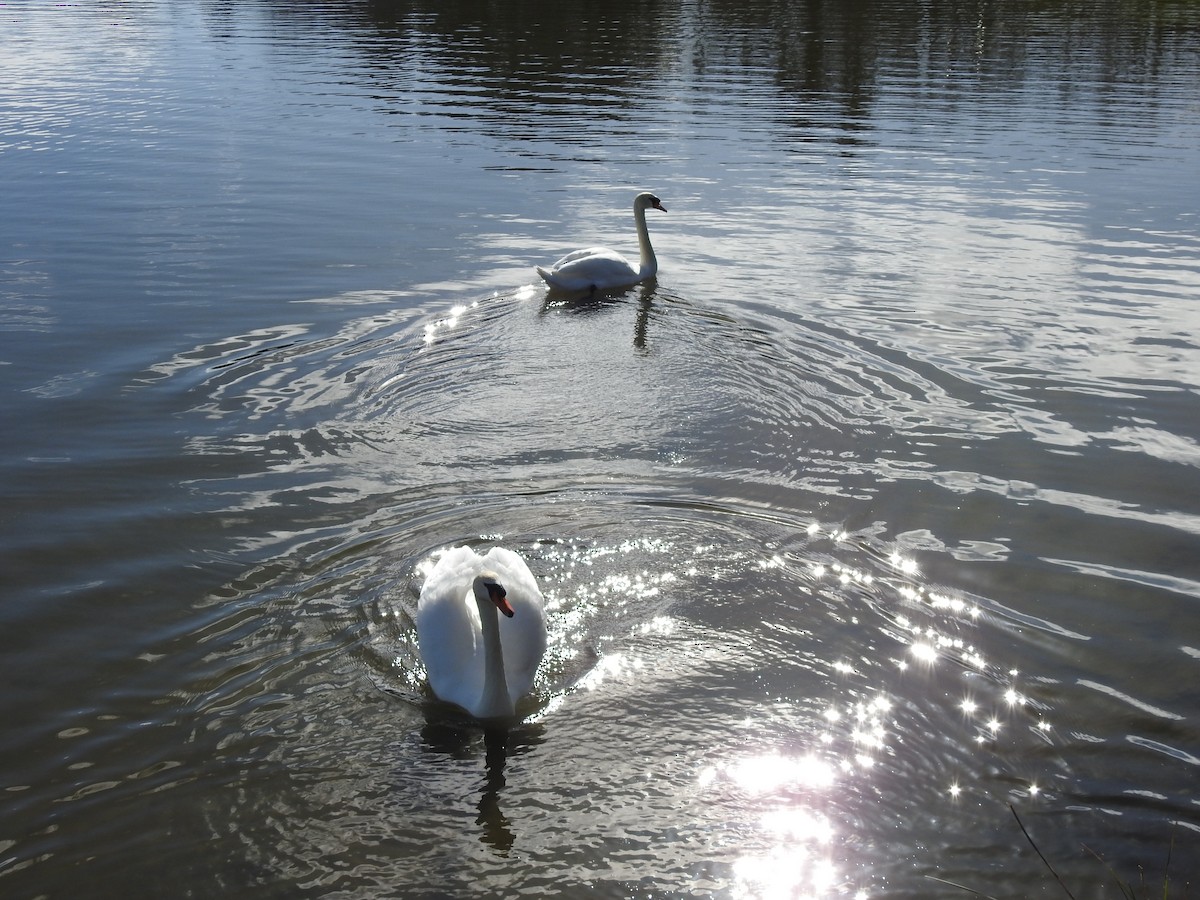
pixel 490 584
pixel 646 199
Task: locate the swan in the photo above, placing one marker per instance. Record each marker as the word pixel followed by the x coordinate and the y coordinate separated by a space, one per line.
pixel 475 659
pixel 598 268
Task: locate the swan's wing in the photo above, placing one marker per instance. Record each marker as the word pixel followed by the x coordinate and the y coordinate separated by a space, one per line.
pixel 524 635
pixel 596 267
pixel 448 633
pixel 583 254
pixel 594 259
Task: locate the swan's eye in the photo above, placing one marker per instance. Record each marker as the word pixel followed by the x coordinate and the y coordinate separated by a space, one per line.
pixel 498 595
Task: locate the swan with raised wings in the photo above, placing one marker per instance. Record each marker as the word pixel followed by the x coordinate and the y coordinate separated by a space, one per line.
pixel 598 268
pixel 474 658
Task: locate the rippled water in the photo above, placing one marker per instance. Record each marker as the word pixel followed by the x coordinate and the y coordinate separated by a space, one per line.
pixel 875 516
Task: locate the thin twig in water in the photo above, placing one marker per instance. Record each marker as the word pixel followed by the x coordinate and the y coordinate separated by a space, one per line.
pixel 1013 810
pixel 961 887
pixel 1121 885
pixel 1167 869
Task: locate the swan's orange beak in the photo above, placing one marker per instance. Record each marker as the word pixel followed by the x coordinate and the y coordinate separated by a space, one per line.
pixel 500 599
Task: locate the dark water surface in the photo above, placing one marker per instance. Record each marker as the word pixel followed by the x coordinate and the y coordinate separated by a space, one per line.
pixel 879 512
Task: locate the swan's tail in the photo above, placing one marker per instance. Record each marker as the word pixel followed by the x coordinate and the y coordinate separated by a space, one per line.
pixel 547 275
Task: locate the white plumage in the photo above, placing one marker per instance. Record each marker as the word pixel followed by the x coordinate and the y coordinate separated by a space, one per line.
pixel 598 268
pixel 474 657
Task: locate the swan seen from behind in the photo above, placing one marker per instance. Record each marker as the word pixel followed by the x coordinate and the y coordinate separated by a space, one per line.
pixel 598 268
pixel 481 630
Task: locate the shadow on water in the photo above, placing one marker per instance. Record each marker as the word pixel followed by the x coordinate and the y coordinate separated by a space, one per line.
pixel 460 738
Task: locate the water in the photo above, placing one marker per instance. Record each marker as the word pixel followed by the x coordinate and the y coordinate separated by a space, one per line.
pixel 875 515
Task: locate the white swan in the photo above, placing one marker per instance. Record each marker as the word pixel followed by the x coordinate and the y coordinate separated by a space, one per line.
pixel 473 658
pixel 598 268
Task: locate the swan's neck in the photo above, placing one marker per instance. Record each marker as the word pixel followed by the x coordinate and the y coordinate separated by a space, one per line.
pixel 647 264
pixel 495 701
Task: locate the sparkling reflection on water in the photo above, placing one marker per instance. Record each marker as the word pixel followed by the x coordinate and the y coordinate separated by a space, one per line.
pixel 875 515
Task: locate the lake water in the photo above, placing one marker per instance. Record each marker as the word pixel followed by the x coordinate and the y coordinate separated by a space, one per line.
pixel 876 515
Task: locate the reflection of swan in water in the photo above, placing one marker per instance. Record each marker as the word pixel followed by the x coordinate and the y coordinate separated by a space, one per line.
pixel 588 304
pixel 474 659
pixel 451 738
pixel 496 831
pixel 598 268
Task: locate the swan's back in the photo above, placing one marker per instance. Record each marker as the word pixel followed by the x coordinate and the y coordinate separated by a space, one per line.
pixel 595 267
pixel 588 253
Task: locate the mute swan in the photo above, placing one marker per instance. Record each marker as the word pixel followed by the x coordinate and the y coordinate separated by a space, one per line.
pixel 598 268
pixel 475 659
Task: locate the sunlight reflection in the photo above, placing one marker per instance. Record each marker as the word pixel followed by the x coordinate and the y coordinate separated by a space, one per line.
pixel 786 833
pixel 660 625
pixel 798 825
pixel 785 872
pixel 769 774
pixel 907 565
pixel 931 625
pixel 924 652
pixel 610 667
pixel 797 859
pixel 434 329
